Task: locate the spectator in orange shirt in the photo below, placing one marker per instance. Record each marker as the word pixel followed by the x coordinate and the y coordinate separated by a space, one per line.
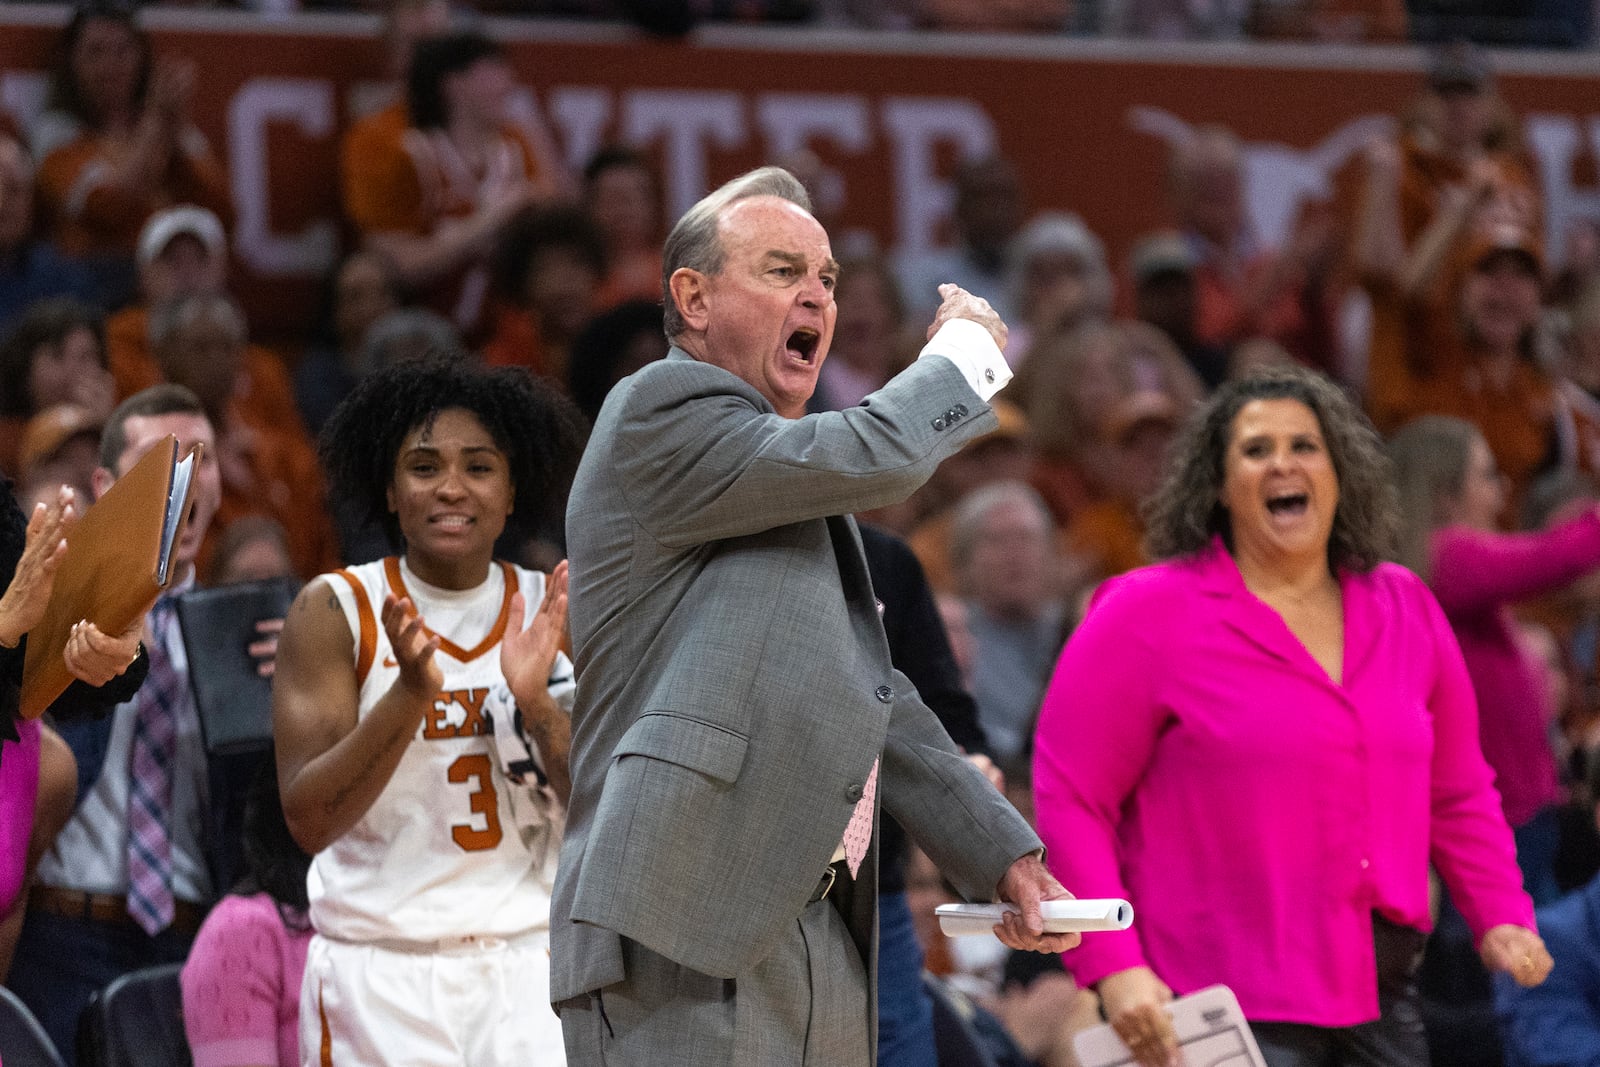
pixel 1245 289
pixel 183 252
pixel 116 143
pixel 623 197
pixel 1105 402
pixel 379 115
pixel 268 468
pixel 548 267
pixel 435 203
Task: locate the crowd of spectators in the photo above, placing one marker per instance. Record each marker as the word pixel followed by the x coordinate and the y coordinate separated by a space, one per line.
pixel 469 236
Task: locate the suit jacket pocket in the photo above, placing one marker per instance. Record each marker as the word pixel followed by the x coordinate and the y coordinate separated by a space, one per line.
pixel 713 751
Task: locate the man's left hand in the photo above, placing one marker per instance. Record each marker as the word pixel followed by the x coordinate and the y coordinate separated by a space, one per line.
pixel 1025 884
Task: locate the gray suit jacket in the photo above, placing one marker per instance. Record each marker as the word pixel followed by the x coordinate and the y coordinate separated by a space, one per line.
pixel 734 683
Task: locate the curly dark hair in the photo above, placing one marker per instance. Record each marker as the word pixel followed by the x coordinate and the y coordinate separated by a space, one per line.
pixel 46 322
pixel 274 862
pixel 1186 513
pixel 541 433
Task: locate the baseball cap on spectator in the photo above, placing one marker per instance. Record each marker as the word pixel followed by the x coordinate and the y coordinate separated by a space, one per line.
pixel 1165 252
pixel 1058 231
pixel 195 221
pixel 1139 408
pixel 48 432
pixel 1503 240
pixel 1459 66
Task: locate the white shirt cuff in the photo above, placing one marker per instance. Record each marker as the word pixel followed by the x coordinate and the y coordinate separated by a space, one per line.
pixel 972 349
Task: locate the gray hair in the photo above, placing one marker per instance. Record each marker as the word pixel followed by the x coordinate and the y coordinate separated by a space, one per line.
pixel 695 242
pixel 966 527
pixel 406 333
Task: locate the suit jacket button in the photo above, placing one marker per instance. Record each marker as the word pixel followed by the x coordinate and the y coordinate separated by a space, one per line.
pixel 961 409
pixel 938 424
pixel 885 694
pixel 853 794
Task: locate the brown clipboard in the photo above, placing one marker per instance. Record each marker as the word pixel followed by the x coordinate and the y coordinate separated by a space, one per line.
pixel 118 560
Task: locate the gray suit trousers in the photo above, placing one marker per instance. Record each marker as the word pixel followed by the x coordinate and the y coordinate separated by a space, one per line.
pixel 804 1005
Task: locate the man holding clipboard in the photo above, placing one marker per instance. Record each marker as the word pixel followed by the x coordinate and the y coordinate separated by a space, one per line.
pixel 130 876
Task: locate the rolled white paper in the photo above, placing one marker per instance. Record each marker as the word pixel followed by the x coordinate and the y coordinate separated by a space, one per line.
pixel 1060 916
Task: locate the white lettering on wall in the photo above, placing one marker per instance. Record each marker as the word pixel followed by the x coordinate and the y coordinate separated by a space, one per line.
pixel 22 93
pixel 791 122
pixel 306 103
pixel 915 125
pixel 688 121
pixel 583 115
pixel 1556 141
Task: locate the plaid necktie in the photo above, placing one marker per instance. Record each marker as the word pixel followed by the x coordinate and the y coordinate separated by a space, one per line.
pixel 858 834
pixel 155 737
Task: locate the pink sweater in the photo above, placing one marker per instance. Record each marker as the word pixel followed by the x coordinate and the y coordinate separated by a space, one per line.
pixel 241 986
pixel 1193 758
pixel 1477 575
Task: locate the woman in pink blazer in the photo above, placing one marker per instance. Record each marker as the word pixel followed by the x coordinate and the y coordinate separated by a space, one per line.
pixel 1263 740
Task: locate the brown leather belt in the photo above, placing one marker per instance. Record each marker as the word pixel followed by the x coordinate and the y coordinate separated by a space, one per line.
pixel 105 908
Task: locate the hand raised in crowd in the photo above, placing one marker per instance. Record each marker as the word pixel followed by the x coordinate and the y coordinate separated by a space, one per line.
pixel 171 86
pixel 1517 951
pixel 95 392
pixel 413 647
pixel 1133 1002
pixel 264 649
pixel 44 547
pixel 96 657
pixel 527 653
pixel 1026 883
pixel 1383 159
pixel 960 304
pixel 506 190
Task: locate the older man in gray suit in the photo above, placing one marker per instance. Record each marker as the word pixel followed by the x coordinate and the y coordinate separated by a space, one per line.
pixel 738 721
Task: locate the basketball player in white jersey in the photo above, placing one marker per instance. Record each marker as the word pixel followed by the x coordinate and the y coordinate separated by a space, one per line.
pixel 420 711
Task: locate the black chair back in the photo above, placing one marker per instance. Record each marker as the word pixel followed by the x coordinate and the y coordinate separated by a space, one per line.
pixel 23 1042
pixel 136 1021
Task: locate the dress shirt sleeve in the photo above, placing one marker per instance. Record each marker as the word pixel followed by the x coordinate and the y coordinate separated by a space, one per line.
pixel 1097 732
pixel 1471 843
pixel 971 348
pixel 1554 1024
pixel 1478 570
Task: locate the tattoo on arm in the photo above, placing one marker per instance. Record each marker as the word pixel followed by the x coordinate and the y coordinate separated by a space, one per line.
pixel 361 776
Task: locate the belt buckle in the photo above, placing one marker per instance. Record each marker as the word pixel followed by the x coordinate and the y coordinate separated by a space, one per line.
pixel 470 944
pixel 830 875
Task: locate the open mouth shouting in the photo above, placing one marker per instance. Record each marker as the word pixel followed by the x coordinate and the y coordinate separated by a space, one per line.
pixel 803 344
pixel 1288 505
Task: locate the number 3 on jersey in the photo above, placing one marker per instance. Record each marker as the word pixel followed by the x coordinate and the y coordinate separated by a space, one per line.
pixel 482 801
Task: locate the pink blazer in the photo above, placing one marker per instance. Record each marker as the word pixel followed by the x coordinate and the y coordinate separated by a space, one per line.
pixel 1194 758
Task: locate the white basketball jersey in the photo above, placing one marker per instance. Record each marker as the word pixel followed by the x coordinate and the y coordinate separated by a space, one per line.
pixel 452 847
